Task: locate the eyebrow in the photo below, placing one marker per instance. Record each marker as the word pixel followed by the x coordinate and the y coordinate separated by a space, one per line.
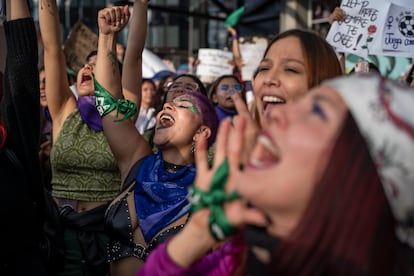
pixel 285 60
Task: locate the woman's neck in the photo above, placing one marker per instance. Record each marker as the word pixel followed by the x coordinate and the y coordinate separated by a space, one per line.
pixel 176 156
pixel 145 106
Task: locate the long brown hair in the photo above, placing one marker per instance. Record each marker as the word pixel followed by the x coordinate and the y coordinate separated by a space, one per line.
pixel 320 58
pixel 348 227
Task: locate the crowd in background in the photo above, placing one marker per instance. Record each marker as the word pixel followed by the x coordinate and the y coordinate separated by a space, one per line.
pixel 302 170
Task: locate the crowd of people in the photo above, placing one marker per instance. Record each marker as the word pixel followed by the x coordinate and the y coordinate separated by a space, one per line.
pixel 172 176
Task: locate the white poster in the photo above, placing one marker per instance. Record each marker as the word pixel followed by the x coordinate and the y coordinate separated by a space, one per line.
pixel 361 27
pixel 214 63
pixel 252 54
pixel 398 33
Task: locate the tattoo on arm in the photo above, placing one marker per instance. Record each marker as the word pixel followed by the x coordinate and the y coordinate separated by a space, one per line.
pixel 114 62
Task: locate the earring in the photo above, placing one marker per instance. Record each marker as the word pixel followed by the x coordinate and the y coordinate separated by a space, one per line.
pixel 193 147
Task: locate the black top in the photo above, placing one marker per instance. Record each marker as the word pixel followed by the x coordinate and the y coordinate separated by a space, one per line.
pixel 22 198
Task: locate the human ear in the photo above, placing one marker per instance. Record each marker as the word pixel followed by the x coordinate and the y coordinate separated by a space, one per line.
pixel 203 131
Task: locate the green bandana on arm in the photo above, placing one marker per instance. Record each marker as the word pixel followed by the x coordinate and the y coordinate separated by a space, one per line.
pixel 214 199
pixel 105 103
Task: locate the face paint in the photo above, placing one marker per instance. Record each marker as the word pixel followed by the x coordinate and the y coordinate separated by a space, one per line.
pixel 185 101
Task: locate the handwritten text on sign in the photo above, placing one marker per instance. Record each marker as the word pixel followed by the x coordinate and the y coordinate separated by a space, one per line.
pixel 398 34
pixel 214 62
pixel 359 28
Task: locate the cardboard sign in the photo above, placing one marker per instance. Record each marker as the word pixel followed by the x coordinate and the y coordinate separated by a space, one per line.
pixel 79 43
pixel 213 63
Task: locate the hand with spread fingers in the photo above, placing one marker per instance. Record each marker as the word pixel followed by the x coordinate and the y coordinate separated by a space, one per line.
pixel 217 210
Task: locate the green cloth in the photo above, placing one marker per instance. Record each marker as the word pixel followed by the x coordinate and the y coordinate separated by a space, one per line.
pixel 214 199
pixel 83 166
pixel 234 17
pixel 75 264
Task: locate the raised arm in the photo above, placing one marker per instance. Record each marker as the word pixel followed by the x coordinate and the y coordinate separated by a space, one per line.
pixel 132 66
pixel 126 143
pixel 235 48
pixel 20 101
pixel 61 101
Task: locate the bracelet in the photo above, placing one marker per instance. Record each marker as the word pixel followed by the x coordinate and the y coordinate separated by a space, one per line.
pixel 234 37
pixel 105 103
pixel 214 199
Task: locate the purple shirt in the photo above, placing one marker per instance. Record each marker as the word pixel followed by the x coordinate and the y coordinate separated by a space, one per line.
pixel 223 261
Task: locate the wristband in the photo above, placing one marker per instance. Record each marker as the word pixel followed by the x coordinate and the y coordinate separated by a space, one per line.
pixel 214 199
pixel 105 103
pixel 234 37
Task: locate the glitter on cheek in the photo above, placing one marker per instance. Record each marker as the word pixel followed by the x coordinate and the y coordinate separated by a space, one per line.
pixel 194 109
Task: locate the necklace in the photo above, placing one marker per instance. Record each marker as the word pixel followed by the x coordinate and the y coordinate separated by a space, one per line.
pixel 172 168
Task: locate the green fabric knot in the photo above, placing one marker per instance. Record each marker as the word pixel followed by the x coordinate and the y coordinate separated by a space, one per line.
pixel 214 199
pixel 105 103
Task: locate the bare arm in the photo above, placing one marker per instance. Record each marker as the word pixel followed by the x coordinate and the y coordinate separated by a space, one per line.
pixel 132 66
pixel 126 143
pixel 235 48
pixel 17 9
pixel 61 101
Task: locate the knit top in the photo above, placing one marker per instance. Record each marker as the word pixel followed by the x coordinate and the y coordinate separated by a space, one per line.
pixel 83 166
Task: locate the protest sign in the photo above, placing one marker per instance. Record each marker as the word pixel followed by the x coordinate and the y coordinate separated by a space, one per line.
pixel 360 27
pixel 252 54
pixel 213 63
pixel 398 33
pixel 79 43
pixel 380 27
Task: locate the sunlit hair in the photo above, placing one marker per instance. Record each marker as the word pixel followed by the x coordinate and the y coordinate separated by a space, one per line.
pixel 320 59
pixel 347 228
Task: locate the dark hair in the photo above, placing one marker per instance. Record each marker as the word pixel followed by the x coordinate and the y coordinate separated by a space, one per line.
pixel 372 68
pixel 208 114
pixel 410 74
pixel 1 85
pixel 94 53
pixel 148 80
pixel 348 227
pixel 3 132
pixel 320 58
pixel 91 54
pixel 213 87
pixel 203 89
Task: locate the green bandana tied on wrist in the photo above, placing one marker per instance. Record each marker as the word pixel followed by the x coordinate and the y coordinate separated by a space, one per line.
pixel 105 103
pixel 219 225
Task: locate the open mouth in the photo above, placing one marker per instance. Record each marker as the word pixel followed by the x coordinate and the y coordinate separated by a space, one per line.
pixel 86 79
pixel 166 121
pixel 265 153
pixel 272 100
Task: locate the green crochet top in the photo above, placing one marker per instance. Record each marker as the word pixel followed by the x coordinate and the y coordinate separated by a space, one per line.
pixel 83 166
